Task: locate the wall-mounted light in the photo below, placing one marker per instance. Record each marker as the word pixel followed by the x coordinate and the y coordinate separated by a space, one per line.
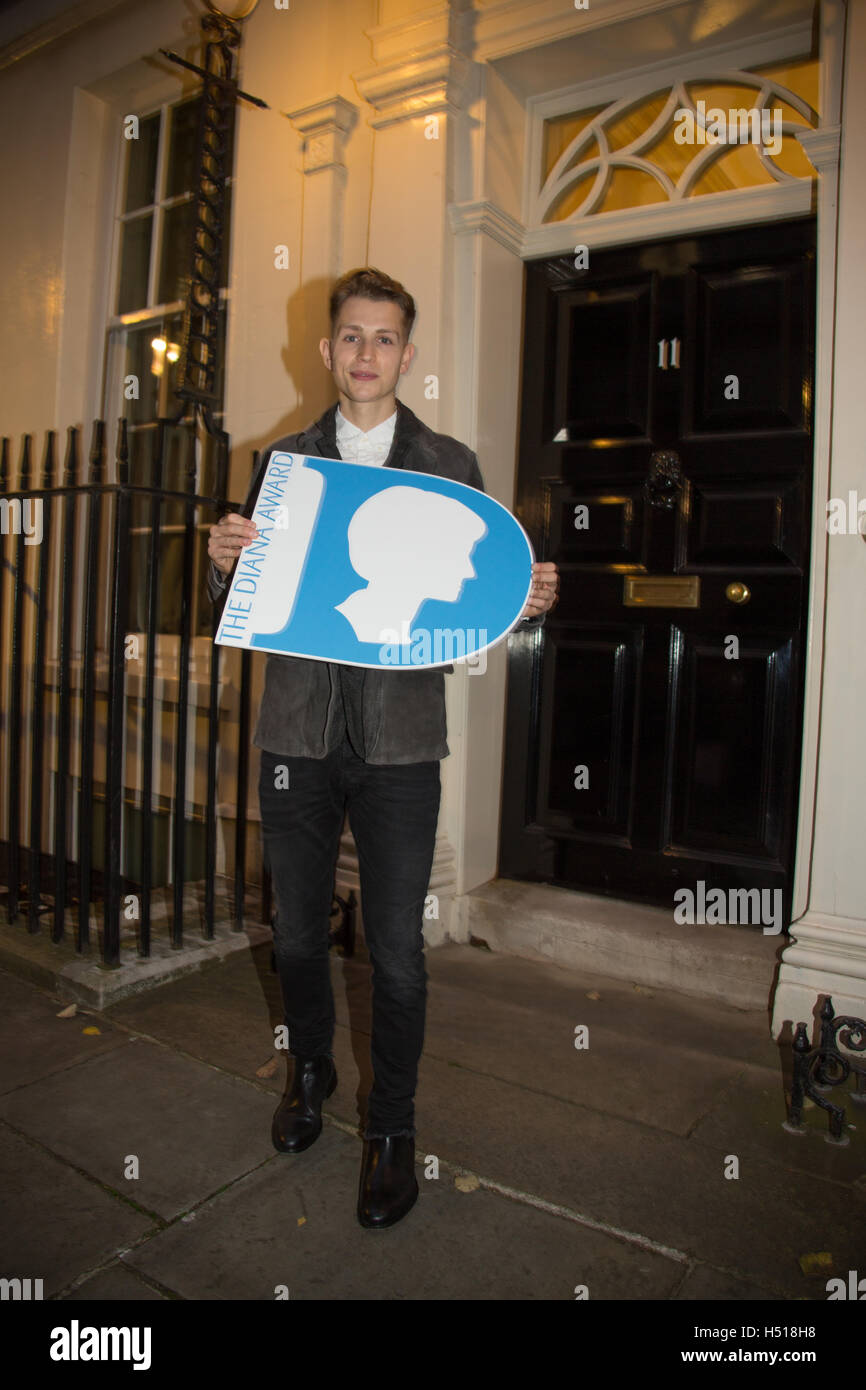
pixel 162 352
pixel 157 361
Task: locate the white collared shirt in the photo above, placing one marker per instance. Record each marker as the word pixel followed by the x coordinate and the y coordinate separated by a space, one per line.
pixel 371 448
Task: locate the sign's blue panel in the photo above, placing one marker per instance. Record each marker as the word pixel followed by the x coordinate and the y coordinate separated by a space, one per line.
pixel 376 567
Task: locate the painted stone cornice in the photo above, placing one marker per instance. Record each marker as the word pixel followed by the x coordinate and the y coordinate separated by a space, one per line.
pixel 440 25
pixel 419 66
pixel 822 146
pixel 514 25
pixel 416 86
pixel 325 127
pixel 484 216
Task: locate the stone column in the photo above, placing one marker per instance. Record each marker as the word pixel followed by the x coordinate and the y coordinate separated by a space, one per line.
pixel 325 127
pixel 827 954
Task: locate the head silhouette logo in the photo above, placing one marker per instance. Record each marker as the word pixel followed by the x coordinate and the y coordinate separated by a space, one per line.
pixel 375 567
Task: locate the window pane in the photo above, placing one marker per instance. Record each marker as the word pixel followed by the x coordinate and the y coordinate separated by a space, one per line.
pixel 141 359
pixel 173 334
pixel 141 165
pixel 177 227
pixel 181 149
pixel 134 264
pixel 142 443
pixel 170 582
pixel 180 454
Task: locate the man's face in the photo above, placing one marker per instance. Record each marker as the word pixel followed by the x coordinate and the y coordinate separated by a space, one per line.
pixel 369 351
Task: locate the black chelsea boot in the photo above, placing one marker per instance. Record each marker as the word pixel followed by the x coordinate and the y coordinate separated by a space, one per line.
pixel 298 1119
pixel 389 1188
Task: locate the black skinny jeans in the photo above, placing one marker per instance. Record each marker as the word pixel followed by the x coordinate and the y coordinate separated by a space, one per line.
pixel 393 812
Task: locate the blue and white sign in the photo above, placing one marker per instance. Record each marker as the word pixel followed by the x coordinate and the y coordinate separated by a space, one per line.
pixel 377 567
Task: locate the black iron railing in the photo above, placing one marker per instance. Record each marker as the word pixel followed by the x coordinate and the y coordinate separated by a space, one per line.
pixel 90 714
pixel 825 1066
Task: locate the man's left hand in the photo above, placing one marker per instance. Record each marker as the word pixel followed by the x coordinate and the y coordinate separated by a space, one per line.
pixel 544 593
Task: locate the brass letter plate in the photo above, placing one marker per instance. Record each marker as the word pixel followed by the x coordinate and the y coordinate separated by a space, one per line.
pixel 662 591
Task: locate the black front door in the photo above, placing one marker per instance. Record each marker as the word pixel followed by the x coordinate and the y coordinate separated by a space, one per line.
pixel 654 723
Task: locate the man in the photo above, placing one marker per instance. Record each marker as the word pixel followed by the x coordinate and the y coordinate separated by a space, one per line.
pixel 369 741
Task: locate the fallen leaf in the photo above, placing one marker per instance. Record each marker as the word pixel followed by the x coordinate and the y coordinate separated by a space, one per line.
pixel 816 1264
pixel 268 1069
pixel 302 1220
pixel 466 1182
pixel 593 994
pixel 641 989
pixel 91 1030
pixel 69 1012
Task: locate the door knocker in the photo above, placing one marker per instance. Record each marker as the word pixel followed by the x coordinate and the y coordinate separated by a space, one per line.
pixel 664 482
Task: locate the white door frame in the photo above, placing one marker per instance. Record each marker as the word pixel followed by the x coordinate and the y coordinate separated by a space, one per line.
pixel 715 211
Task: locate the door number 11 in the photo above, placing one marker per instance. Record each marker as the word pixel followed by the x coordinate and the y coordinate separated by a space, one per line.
pixel 674 353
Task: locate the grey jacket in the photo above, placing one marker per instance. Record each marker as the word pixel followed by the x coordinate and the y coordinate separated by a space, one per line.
pixel 301 712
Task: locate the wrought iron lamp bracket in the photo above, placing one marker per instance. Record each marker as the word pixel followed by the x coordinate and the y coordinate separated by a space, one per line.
pixel 200 347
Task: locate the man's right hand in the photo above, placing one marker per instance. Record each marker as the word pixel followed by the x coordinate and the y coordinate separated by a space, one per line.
pixel 228 538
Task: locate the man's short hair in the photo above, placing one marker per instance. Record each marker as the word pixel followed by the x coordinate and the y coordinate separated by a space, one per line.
pixel 370 283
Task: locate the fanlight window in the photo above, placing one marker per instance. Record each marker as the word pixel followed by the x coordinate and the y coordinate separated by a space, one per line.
pixel 669 144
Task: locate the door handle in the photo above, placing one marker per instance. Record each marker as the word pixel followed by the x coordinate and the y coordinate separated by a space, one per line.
pixel 738 592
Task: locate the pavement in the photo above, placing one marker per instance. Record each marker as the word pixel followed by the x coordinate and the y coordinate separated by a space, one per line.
pixel 648 1163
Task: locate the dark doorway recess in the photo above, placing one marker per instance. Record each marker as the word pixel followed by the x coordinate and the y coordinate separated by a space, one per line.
pixel 665 465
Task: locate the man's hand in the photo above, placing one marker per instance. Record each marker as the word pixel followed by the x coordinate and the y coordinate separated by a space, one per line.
pixel 228 538
pixel 544 593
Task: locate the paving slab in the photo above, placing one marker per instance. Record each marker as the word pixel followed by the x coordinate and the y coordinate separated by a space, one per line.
pixel 192 1128
pixel 749 1120
pixel 639 1178
pixel 668 1083
pixel 293 1223
pixel 651 1015
pixel 34 1042
pixel 224 1016
pixel 114 1285
pixel 631 1134
pixel 56 1224
pixel 523 1031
